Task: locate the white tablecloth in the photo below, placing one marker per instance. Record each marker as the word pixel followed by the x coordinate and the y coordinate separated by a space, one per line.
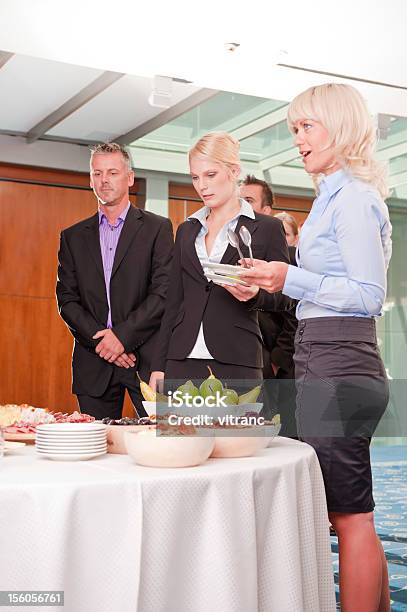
pixel 232 535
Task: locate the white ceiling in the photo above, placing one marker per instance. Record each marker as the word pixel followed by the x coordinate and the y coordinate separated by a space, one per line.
pixel 32 88
pixel 362 38
pixel 117 110
pixel 60 49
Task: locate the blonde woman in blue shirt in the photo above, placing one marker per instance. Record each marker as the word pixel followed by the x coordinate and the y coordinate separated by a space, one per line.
pixel 340 282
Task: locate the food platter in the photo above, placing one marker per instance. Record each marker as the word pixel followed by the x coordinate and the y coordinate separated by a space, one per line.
pixel 20 422
pixel 28 438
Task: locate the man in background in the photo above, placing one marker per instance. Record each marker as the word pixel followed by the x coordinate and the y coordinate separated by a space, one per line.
pixel 111 289
pixel 278 328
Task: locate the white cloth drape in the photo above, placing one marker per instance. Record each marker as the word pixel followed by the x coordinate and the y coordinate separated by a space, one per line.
pixel 234 535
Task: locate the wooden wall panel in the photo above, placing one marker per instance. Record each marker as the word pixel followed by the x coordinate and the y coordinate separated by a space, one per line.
pixel 179 210
pixel 64 178
pixel 33 216
pixel 34 364
pixel 297 207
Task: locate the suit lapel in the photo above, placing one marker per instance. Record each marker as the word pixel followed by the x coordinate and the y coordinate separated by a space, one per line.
pixel 93 241
pixel 188 247
pixel 132 225
pixel 231 256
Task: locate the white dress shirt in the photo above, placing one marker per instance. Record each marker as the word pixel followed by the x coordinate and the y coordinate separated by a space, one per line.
pixel 200 350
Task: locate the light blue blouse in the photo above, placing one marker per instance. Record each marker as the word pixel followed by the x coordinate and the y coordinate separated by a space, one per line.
pixel 343 252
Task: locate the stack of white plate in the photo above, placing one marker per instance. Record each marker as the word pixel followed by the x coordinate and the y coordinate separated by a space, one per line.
pixel 71 441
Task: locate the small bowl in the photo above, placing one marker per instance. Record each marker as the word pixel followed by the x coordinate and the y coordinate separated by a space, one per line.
pixel 272 432
pixel 152 408
pixel 255 408
pixel 239 442
pixel 152 450
pixel 115 437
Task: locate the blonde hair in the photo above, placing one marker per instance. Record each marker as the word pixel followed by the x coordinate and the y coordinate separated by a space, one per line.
pixel 290 220
pixel 343 112
pixel 218 146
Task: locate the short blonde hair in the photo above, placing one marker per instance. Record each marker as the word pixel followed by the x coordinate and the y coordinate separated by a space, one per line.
pixel 218 146
pixel 343 112
pixel 290 220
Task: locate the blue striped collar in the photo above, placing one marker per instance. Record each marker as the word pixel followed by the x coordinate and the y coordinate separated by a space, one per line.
pixel 121 217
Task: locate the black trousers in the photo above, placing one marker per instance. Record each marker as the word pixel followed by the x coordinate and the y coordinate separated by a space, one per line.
pixel 110 404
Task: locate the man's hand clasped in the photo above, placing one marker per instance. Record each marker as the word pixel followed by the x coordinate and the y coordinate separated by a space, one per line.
pixel 112 350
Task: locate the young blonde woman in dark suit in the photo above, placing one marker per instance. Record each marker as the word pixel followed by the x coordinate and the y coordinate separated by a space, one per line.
pixel 204 323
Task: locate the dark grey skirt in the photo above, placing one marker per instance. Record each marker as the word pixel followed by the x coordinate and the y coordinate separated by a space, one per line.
pixel 342 393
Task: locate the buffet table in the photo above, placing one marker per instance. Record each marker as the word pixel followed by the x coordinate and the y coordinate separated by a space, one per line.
pixel 234 535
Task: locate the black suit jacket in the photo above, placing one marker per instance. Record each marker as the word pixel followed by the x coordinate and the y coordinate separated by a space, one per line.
pixel 231 328
pixel 138 288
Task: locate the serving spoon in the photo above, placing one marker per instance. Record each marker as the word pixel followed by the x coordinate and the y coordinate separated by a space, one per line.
pixel 234 241
pixel 246 237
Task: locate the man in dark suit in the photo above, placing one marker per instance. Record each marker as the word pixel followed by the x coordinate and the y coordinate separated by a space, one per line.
pixel 111 289
pixel 277 328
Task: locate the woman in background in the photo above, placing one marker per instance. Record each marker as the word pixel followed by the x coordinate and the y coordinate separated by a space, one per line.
pixel 343 255
pixel 292 234
pixel 290 227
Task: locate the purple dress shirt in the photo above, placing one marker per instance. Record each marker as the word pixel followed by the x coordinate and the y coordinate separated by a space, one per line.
pixel 109 238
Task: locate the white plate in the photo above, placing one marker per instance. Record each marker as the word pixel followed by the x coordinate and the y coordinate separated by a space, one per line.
pixel 70 450
pixel 70 457
pixel 70 427
pixel 219 279
pixel 10 447
pixel 75 432
pixel 68 447
pixel 224 268
pixel 74 436
pixel 66 451
pixel 73 442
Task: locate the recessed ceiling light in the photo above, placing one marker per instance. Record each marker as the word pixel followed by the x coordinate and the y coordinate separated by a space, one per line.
pixel 161 94
pixel 232 46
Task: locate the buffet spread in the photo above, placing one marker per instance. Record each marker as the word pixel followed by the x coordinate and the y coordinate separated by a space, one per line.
pixel 183 428
pixel 259 512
